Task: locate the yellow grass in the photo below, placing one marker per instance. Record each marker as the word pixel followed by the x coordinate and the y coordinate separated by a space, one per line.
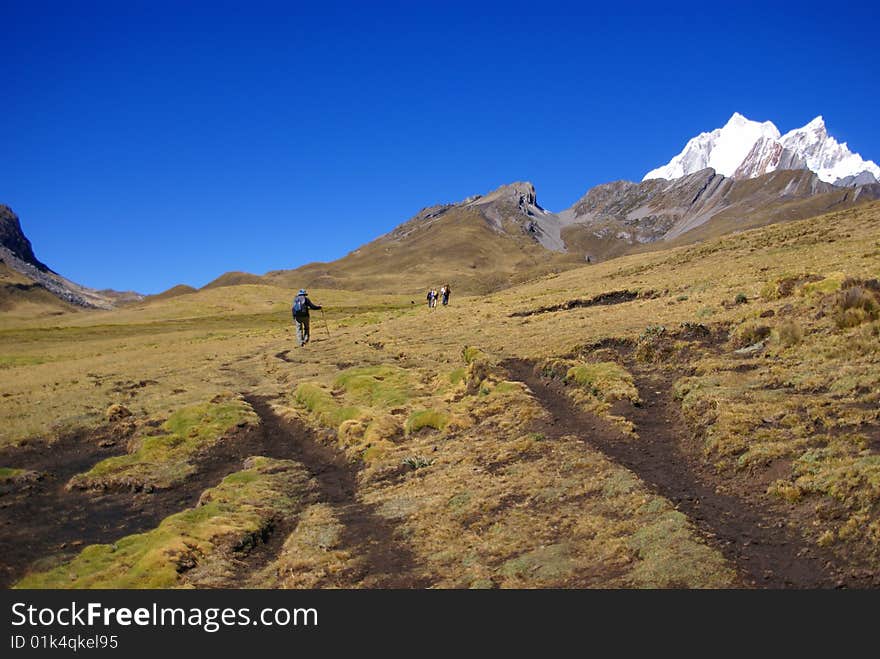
pixel 499 506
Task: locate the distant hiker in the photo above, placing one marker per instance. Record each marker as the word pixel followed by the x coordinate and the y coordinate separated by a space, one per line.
pixel 300 310
pixel 432 298
pixel 444 292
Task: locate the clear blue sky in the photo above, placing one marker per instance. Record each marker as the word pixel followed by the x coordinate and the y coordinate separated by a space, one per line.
pixel 147 144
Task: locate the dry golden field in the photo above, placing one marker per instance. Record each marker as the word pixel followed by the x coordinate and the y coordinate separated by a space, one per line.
pixel 703 416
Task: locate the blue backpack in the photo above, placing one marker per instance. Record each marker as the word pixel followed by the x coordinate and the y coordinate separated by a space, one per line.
pixel 299 305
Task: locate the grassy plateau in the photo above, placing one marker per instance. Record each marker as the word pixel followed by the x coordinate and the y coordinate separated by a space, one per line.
pixel 403 447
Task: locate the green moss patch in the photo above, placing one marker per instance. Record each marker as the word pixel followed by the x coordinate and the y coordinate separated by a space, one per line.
pixel 829 284
pixel 9 473
pixel 161 461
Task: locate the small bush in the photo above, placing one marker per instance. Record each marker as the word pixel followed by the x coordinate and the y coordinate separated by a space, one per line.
pixel 741 298
pixel 854 306
pixel 790 333
pixel 652 332
pixel 554 368
pixel 654 344
pixel 470 354
pixel 416 462
pixel 748 334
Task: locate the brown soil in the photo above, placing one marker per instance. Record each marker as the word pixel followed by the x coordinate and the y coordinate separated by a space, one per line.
pixel 758 539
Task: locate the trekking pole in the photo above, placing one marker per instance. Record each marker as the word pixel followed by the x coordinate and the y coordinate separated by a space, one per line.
pixel 326 327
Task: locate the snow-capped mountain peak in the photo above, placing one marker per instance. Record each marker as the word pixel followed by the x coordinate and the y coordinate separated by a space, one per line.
pixel 746 149
pixel 723 149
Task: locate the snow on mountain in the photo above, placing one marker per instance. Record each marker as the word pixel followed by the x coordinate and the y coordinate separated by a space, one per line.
pixel 823 154
pixel 723 149
pixel 747 149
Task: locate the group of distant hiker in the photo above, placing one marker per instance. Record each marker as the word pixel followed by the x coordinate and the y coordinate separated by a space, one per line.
pixel 301 305
pixel 434 295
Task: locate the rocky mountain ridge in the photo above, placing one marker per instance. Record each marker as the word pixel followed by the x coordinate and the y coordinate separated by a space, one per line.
pixel 17 254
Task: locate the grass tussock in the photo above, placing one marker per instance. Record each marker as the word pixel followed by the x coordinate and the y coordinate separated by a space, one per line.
pixel 790 333
pixel 858 302
pixel 420 419
pixel 376 386
pixel 607 381
pixel 749 333
pixel 323 406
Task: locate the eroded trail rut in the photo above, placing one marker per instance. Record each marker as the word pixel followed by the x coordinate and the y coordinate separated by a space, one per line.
pixel 765 551
pixel 42 518
pixel 383 562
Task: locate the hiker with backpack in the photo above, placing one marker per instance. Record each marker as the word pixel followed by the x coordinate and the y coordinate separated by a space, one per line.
pixel 300 310
pixel 444 293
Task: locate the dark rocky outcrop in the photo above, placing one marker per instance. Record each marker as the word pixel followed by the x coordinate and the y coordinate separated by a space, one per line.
pixel 13 239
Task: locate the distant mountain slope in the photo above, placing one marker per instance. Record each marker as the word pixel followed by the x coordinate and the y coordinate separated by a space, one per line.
pixel 478 245
pixel 174 291
pixel 232 279
pixel 659 209
pixel 486 243
pixel 746 149
pixel 17 255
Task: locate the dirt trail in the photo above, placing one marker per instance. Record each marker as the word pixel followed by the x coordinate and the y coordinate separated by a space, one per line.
pixel 766 552
pixel 385 562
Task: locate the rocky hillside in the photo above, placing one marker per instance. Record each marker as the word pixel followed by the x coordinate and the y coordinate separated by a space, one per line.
pixel 662 210
pixel 14 242
pixel 34 278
